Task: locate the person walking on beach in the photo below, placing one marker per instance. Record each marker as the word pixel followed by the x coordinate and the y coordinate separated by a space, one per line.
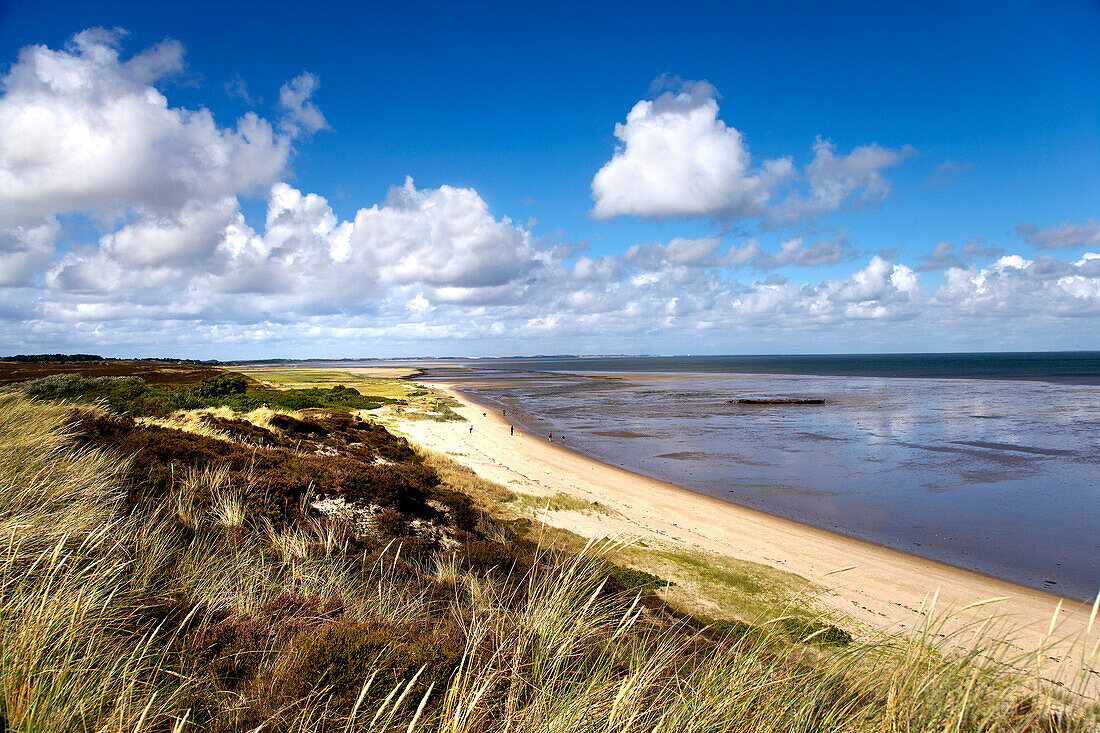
pixel 471 428
pixel 550 436
pixel 511 429
pixel 503 413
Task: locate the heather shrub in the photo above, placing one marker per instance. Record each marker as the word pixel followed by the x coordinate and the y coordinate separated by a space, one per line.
pixel 461 509
pixel 390 524
pixel 480 556
pixel 241 430
pixel 296 427
pixel 228 649
pixel 341 657
pixel 297 605
pixel 389 485
pixel 274 478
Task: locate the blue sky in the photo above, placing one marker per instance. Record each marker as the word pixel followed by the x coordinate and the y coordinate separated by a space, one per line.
pixel 938 123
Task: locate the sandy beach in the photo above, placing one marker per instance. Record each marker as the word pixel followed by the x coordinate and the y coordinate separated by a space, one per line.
pixel 877 588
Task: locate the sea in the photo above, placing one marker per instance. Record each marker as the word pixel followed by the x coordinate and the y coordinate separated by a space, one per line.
pixel 986 461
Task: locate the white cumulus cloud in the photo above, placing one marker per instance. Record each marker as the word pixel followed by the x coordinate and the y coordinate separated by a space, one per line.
pixel 796 252
pixel 172 266
pixel 188 235
pixel 1020 288
pixel 944 254
pixel 441 237
pixel 82 130
pixel 677 158
pixel 25 251
pixel 296 99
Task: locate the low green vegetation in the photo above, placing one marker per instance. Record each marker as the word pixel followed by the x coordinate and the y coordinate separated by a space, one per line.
pixel 712 588
pixel 388 385
pixel 634 580
pixel 360 377
pixel 790 629
pixel 716 585
pixel 311 572
pixel 558 502
pixel 441 412
pixel 134 396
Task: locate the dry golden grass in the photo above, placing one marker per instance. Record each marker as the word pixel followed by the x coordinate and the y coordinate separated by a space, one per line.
pixel 191 421
pixel 462 478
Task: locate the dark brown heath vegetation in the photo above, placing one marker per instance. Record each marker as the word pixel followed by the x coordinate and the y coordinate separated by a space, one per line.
pixel 323 454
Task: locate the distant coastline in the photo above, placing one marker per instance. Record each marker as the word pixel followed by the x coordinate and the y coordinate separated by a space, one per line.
pixel 1060 367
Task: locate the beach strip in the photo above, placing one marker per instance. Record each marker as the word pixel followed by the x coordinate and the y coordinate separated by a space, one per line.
pixel 878 586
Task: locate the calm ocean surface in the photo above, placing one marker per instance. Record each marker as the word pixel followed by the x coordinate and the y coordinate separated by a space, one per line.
pixel 985 461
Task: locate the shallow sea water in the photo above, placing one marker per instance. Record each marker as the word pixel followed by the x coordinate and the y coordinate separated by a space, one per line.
pixel 1001 477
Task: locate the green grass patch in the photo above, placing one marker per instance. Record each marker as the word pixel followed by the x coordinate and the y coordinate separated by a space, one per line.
pixel 635 580
pixel 386 383
pixel 726 587
pixel 133 396
pixel 796 630
pixel 297 377
pixel 434 412
pixel 559 502
pixel 382 385
pixel 702 584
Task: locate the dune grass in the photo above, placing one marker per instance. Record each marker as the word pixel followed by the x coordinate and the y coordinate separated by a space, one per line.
pixel 193 615
pixel 704 584
pixel 558 502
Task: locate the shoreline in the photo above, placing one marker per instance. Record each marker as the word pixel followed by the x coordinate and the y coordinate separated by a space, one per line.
pixel 879 587
pixel 488 404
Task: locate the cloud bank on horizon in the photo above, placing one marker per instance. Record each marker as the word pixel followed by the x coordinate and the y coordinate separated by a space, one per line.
pixel 122 230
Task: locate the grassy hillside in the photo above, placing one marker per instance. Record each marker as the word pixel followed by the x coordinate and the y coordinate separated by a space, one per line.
pixel 308 571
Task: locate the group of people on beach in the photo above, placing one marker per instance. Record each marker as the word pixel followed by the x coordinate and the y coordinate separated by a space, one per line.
pixel 512 428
